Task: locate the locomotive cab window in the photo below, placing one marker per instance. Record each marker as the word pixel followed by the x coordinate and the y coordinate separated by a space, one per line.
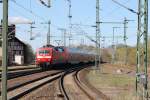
pixel 44 52
pixel 41 52
pixel 47 51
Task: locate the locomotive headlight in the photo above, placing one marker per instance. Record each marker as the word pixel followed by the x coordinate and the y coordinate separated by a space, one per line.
pixel 44 57
pixel 39 57
pixel 49 57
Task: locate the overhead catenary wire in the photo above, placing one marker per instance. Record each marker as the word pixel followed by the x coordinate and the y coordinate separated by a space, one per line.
pixel 133 11
pixel 33 13
pixel 42 2
pixel 115 9
pixel 28 10
pixel 16 11
pixel 47 5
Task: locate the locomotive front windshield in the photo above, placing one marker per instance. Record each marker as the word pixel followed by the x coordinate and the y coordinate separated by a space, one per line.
pixel 44 52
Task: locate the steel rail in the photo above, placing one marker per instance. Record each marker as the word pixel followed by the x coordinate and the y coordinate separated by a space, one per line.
pixel 89 89
pixel 20 84
pixel 25 89
pixel 61 81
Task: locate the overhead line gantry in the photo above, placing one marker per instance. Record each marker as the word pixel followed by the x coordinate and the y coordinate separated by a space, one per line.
pixel 142 50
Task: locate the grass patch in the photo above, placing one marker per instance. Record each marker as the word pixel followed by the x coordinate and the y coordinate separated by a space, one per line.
pixel 115 86
pixel 112 80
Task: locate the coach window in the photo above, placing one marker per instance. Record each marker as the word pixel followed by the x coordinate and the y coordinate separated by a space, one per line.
pixel 61 50
pixel 56 49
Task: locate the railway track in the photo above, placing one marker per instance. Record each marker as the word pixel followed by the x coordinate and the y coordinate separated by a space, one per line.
pixel 20 68
pixel 61 82
pixel 82 86
pixel 42 90
pixel 62 79
pixel 23 72
pixel 87 92
pixel 24 85
pixel 21 86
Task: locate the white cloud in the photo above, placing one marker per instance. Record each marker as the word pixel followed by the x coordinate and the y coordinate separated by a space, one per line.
pixel 19 20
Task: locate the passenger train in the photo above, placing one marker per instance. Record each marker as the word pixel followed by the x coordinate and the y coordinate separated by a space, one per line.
pixel 49 55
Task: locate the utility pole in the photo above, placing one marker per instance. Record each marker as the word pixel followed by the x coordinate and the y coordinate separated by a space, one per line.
pixel 98 52
pixel 4 50
pixel 65 38
pixel 70 21
pixel 125 39
pixel 103 40
pixel 141 76
pixel 70 36
pixel 63 30
pixel 48 34
pixel 113 45
pixel 103 45
pixel 31 27
pixel 49 3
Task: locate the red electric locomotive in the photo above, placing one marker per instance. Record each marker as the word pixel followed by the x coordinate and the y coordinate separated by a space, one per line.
pixel 50 55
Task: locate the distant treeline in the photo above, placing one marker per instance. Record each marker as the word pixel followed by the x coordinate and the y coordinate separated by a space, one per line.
pixel 106 53
pixel 131 54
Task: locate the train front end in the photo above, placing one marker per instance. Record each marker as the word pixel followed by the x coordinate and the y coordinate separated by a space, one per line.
pixel 44 57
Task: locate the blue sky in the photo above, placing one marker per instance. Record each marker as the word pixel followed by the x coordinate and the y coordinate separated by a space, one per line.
pixel 83 11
